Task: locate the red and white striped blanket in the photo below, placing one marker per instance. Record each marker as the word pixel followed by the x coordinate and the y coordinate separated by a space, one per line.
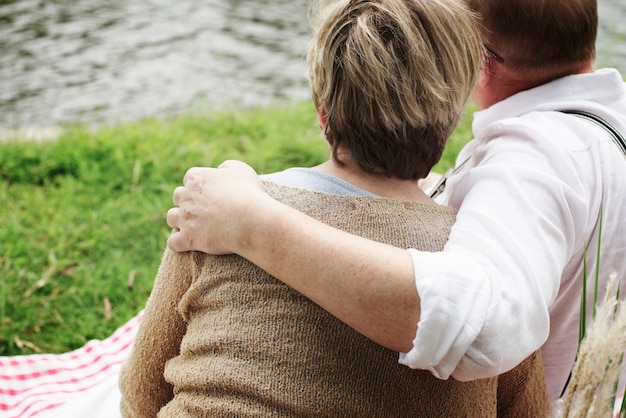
pixel 33 384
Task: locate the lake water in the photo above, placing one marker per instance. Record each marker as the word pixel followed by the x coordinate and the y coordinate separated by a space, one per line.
pixel 67 61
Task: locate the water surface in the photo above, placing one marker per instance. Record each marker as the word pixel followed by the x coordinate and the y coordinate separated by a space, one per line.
pixel 67 61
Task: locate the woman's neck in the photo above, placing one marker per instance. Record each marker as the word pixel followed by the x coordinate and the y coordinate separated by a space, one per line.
pixel 378 184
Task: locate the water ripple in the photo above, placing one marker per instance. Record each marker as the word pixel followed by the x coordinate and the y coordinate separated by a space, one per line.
pixel 69 61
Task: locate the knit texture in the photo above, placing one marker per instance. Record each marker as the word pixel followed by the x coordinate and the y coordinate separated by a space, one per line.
pixel 250 346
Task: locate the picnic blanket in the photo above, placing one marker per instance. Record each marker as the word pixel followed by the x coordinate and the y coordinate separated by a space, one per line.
pixel 68 384
pixel 36 385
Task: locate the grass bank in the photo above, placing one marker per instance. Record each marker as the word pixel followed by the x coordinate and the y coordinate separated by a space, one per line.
pixel 83 217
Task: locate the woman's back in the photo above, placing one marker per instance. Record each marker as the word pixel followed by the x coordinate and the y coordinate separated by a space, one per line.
pixel 255 347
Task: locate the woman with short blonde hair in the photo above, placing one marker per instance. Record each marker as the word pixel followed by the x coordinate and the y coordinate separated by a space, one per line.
pixel 393 72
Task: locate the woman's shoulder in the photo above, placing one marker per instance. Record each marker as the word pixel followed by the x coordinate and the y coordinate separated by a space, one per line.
pixel 402 223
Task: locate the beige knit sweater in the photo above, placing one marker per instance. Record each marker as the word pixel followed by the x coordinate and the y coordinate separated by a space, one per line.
pixel 222 338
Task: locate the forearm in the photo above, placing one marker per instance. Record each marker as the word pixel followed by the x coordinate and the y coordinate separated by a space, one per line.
pixel 368 285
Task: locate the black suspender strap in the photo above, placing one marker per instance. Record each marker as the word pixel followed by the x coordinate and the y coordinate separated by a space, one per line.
pixel 619 141
pixel 440 186
pixel 617 137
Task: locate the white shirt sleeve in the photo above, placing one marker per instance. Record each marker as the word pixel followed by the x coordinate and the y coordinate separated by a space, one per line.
pixel 485 298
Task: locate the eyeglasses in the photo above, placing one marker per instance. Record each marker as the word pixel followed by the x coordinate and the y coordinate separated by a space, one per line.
pixel 493 54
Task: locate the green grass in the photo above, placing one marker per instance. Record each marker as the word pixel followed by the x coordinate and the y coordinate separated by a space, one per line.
pixel 83 217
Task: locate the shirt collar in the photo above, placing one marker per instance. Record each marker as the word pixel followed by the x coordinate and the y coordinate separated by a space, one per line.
pixel 579 91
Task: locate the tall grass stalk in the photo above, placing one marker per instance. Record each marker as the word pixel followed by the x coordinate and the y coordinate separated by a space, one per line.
pixel 592 387
pixel 597 369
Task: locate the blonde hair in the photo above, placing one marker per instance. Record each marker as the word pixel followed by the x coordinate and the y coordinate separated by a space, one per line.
pixel 393 77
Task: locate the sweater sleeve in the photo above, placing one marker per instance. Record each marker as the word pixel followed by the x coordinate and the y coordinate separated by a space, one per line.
pixel 142 384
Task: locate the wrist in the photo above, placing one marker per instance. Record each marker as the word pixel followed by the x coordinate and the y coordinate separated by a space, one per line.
pixel 254 221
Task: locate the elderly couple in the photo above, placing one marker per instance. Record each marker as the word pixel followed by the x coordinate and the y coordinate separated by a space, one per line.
pixel 341 266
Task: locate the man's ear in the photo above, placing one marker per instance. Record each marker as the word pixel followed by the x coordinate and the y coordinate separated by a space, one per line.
pixel 321 117
pixel 486 71
pixel 482 94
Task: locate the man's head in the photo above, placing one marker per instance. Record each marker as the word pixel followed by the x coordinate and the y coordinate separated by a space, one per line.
pixel 391 79
pixel 537 41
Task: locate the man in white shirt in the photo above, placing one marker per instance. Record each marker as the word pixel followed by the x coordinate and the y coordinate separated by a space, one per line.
pixel 531 200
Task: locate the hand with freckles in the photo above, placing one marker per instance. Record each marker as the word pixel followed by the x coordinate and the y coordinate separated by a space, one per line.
pixel 212 207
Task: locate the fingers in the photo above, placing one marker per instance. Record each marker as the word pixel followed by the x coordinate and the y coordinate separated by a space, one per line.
pixel 228 163
pixel 237 167
pixel 194 175
pixel 179 242
pixel 206 204
pixel 177 196
pixel 197 176
pixel 233 164
pixel 173 218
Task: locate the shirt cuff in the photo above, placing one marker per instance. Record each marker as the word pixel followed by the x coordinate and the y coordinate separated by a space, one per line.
pixel 453 310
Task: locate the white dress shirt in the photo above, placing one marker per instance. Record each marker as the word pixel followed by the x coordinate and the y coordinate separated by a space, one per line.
pixel 509 280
